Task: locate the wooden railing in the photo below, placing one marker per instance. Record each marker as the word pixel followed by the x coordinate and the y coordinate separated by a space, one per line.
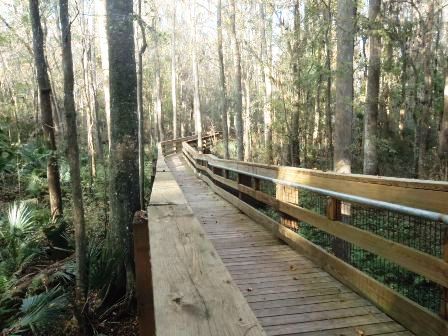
pixel 301 210
pixel 172 146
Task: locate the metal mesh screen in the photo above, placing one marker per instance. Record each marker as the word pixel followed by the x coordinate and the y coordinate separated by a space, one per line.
pixel 267 187
pixel 421 234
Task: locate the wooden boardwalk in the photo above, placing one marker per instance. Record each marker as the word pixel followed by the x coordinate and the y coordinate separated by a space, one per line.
pixel 287 292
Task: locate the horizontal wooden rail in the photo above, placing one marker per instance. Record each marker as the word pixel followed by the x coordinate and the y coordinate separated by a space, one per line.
pixel 426 195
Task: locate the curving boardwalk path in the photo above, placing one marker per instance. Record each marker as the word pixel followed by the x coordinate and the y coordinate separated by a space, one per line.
pixel 287 292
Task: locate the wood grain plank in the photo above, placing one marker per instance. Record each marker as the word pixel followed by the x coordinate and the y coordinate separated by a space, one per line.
pixel 193 292
pixel 352 321
pixel 316 307
pixel 317 316
pixel 386 328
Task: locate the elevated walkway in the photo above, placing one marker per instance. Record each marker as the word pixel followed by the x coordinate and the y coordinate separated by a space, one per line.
pixel 239 248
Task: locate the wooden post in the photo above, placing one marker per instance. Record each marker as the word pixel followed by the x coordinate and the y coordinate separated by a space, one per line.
pixel 334 209
pixel 178 146
pixel 217 171
pixel 154 171
pixel 256 183
pixel 341 248
pixel 143 275
pixel 246 181
pixel 290 195
pixel 444 301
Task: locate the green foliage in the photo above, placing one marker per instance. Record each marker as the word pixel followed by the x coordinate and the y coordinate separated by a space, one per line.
pixel 42 311
pixel 24 237
pixel 36 184
pixel 103 261
pixel 18 236
pixel 7 154
pixel 33 156
pixel 218 149
pixel 24 164
pixel 20 220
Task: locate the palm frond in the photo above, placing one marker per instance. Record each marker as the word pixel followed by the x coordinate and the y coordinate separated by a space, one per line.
pixel 20 219
pixel 42 310
pixel 62 276
pixel 103 261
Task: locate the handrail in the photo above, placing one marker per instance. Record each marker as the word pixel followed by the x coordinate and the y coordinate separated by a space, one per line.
pixel 430 215
pixel 433 267
pixel 176 143
pixel 420 194
pixel 407 210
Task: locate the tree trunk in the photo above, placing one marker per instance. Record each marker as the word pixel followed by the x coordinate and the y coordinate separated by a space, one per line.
pixel 141 137
pixel 59 126
pixel 295 142
pixel 238 87
pixel 317 135
pixel 183 111
pixel 94 100
pixel 328 112
pixel 89 89
pixel 104 48
pixel 124 195
pixel 443 134
pixel 344 86
pixel 173 75
pixel 222 83
pixel 267 103
pixel 423 127
pixel 373 89
pixel 443 137
pixel 196 97
pixel 295 54
pixel 247 121
pixel 54 186
pixel 73 159
pixel 158 87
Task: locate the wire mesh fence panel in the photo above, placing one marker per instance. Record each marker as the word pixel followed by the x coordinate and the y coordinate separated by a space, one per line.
pixel 419 233
pixel 233 176
pixel 268 187
pixel 413 286
pixel 313 201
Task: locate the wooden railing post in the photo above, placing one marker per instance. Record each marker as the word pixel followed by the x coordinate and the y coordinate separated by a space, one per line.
pixel 178 146
pixel 444 301
pixel 143 275
pixel 334 209
pixel 217 171
pixel 341 248
pixel 290 195
pixel 246 181
pixel 256 183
